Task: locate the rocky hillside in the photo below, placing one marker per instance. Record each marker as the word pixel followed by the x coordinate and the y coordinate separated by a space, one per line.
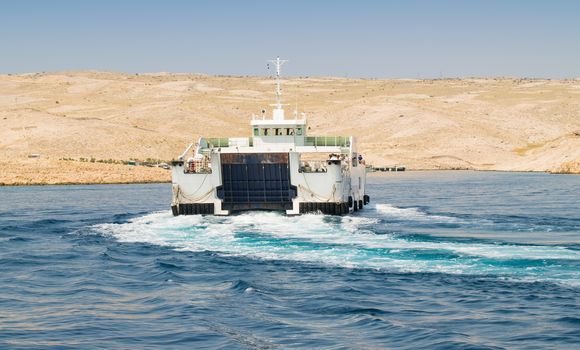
pixel 488 124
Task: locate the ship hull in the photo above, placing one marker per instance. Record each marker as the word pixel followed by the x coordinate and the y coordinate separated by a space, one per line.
pixel 272 181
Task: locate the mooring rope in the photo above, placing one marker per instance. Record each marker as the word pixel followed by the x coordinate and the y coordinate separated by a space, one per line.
pixel 180 194
pixel 315 195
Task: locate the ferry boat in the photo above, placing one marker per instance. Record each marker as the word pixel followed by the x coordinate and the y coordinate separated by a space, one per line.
pixel 279 168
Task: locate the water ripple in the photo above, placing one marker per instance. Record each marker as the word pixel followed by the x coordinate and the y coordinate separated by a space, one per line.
pixel 439 261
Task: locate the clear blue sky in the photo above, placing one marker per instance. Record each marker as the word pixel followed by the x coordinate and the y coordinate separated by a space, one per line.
pixel 384 39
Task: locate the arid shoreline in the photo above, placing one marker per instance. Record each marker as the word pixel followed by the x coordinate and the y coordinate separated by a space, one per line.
pixel 165 178
pixel 499 124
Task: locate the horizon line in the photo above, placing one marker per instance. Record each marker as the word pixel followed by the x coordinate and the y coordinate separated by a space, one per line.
pixel 501 77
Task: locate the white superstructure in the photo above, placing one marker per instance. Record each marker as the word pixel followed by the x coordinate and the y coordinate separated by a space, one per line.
pixel 279 168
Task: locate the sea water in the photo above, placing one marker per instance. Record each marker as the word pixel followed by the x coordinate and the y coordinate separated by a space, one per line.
pixel 438 260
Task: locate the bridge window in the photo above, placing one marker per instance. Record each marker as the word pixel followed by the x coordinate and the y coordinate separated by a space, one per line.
pixel 265 132
pixel 289 131
pixel 278 131
pixel 299 131
pixel 256 132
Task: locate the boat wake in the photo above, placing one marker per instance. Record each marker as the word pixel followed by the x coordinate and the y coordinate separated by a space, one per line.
pixel 414 214
pixel 352 242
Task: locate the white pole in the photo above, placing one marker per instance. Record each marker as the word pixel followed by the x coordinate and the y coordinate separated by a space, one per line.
pixel 279 64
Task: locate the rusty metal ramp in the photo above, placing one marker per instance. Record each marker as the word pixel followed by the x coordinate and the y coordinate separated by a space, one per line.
pixel 256 181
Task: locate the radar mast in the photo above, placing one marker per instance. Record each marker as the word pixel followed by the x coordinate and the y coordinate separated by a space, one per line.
pixel 278 113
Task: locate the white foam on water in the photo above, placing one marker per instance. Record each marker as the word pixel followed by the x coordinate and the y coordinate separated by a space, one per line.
pixel 336 241
pixel 414 214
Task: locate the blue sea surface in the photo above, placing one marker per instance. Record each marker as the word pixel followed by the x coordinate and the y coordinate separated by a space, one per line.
pixel 438 260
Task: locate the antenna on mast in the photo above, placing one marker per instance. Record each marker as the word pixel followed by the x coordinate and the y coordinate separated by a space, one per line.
pixel 278 111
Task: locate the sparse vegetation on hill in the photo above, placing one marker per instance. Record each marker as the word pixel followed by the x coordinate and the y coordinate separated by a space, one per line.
pixel 487 124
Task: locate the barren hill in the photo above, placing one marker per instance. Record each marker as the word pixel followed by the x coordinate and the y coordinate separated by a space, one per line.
pixel 488 124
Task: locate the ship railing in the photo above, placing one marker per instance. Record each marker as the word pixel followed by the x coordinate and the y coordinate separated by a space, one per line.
pixel 313 166
pixel 324 141
pixel 197 166
pixel 216 142
pixel 240 142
